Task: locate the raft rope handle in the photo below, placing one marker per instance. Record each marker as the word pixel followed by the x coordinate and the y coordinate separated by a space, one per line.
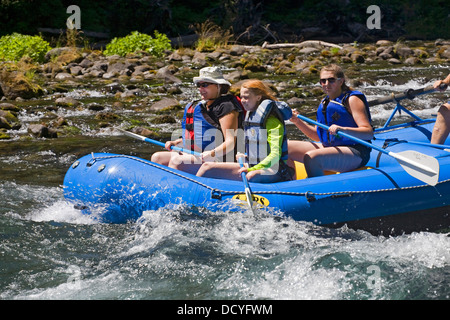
pixel 89 163
pixel 307 194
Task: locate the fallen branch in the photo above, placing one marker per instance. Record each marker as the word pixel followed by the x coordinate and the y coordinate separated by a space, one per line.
pixel 304 44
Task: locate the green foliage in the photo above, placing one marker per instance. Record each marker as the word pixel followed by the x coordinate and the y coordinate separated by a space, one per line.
pixel 16 46
pixel 139 42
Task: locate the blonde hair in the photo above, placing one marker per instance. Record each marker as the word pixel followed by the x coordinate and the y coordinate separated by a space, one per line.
pixel 338 73
pixel 258 87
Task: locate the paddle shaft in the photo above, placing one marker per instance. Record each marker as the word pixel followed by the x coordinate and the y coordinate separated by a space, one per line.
pixel 408 94
pixel 243 175
pixel 367 144
pixel 248 193
pixel 426 144
pixel 159 143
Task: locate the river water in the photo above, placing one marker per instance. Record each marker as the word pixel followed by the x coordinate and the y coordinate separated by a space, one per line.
pixel 48 250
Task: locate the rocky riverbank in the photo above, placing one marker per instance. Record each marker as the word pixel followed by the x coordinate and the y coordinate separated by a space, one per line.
pixel 76 88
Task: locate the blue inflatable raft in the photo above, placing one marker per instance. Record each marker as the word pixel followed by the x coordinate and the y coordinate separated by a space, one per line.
pixel 383 198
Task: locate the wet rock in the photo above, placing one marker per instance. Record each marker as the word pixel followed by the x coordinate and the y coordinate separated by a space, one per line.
pixel 163 119
pixel 384 43
pixel 63 76
pixel 110 75
pixel 346 59
pixel 174 90
pixel 4 135
pixel 357 57
pixel 199 59
pixel 110 116
pixel 16 84
pixel 442 42
pixel 96 107
pixel 9 107
pixel 114 87
pixel 412 61
pixel 165 104
pixel 237 50
pixel 41 131
pixel 388 53
pixel 100 65
pixel 236 76
pixel 295 102
pixel 67 102
pixel 118 105
pixel 86 63
pixel 285 67
pixel 76 70
pixel 121 68
pixel 309 50
pixel 59 122
pixel 175 56
pixel 144 132
pixel 95 74
pixel 215 55
pixel 127 94
pixel 165 74
pixel 9 116
pixel 64 55
pixel 403 51
pixel 394 61
pixel 444 54
pixel 4 123
pixel 421 53
pixel 139 70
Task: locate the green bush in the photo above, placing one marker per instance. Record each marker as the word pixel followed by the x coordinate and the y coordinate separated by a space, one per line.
pixel 139 42
pixel 16 46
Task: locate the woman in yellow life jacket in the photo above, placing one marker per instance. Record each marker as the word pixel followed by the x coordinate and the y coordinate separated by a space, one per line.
pixel 264 137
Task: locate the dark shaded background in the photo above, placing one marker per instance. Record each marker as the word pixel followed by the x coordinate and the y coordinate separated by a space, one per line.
pixel 251 21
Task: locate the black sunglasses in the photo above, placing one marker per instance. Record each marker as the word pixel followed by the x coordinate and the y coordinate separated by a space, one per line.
pixel 203 84
pixel 330 80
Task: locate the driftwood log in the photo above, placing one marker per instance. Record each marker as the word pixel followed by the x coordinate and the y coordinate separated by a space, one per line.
pixel 304 44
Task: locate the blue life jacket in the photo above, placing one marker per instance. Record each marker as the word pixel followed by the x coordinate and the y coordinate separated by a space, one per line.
pixel 256 144
pixel 335 112
pixel 200 131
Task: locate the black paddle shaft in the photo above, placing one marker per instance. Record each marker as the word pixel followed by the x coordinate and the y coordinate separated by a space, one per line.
pixel 408 94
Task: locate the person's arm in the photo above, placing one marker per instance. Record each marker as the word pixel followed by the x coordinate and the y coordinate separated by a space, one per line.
pixel 169 144
pixel 309 130
pixel 275 132
pixel 229 125
pixel 438 83
pixel 363 130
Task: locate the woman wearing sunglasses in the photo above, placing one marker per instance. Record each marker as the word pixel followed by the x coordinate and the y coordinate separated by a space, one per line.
pixel 343 109
pixel 209 126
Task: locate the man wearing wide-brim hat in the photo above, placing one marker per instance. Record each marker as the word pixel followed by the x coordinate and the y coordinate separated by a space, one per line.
pixel 209 126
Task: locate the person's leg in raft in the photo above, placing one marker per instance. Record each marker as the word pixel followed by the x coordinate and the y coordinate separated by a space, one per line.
pixel 339 159
pixel 442 126
pixel 185 162
pixel 162 157
pixel 220 170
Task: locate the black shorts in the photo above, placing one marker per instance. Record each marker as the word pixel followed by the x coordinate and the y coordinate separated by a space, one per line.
pixel 361 151
pixel 285 173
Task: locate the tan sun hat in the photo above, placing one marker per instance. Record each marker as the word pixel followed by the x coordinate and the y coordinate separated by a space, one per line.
pixel 212 75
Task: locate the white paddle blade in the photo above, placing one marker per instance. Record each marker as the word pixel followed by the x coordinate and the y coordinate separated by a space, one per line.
pixel 419 165
pixel 132 135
